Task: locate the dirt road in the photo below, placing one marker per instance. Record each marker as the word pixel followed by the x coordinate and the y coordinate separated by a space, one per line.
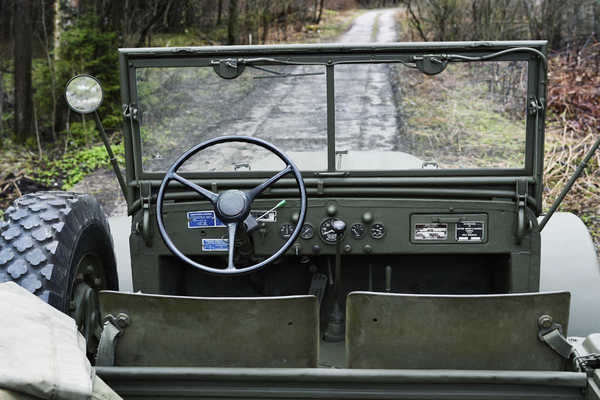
pixel 291 112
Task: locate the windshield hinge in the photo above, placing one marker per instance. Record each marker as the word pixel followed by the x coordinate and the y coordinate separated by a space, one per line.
pixel 523 223
pixel 534 106
pixel 146 228
pixel 130 111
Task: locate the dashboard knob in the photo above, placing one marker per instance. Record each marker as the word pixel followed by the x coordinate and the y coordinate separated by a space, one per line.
pixel 331 210
pixel 316 249
pixel 338 226
pixel 347 248
pixel 295 217
pixel 367 217
pixel 367 248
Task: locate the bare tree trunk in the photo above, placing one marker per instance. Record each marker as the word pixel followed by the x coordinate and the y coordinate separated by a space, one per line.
pixel 1 100
pixel 321 5
pixel 265 21
pixel 22 57
pixel 52 72
pixel 158 12
pixel 57 28
pixel 232 31
pixel 219 12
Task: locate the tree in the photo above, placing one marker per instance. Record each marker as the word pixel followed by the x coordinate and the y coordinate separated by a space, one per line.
pixel 232 28
pixel 23 35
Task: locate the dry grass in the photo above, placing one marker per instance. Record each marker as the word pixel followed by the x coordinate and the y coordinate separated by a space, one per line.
pixel 572 128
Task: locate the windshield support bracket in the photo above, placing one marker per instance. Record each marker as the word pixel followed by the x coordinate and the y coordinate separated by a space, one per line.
pixel 523 224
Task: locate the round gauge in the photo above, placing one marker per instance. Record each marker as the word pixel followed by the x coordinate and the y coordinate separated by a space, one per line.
pixel 377 231
pixel 326 231
pixel 307 231
pixel 286 231
pixel 357 230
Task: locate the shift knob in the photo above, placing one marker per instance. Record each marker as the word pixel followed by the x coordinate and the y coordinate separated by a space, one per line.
pixel 338 226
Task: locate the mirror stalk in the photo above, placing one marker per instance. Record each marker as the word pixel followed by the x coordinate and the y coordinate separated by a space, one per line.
pixel 569 184
pixel 111 155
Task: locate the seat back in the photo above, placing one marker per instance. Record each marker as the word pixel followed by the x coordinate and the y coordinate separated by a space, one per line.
pixel 493 332
pixel 215 332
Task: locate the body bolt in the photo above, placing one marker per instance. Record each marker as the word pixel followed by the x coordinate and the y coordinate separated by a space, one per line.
pixel 123 320
pixel 545 321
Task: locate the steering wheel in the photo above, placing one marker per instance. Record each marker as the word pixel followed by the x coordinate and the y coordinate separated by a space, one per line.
pixel 232 206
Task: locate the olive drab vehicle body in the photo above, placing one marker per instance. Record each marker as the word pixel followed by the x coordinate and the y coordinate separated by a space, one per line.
pixel 342 221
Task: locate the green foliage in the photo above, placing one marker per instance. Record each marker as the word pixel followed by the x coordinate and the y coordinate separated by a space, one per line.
pixel 82 133
pixel 85 49
pixel 74 166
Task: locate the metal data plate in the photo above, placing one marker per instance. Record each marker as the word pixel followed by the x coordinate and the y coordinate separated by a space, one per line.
pixel 469 231
pixel 432 231
pixel 448 228
pixel 208 218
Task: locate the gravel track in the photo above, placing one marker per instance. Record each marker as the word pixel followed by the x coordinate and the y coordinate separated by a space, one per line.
pixel 291 114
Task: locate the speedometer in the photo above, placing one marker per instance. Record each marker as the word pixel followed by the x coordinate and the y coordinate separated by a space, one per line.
pixel 327 232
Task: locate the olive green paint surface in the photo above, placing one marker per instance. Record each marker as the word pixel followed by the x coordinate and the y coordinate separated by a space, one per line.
pixel 489 332
pixel 174 331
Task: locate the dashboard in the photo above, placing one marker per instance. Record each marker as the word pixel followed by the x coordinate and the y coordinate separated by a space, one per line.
pixel 373 226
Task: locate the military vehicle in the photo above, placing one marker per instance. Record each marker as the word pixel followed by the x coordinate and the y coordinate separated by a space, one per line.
pixel 324 221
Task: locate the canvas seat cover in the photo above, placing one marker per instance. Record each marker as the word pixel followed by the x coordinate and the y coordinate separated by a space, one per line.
pixel 42 352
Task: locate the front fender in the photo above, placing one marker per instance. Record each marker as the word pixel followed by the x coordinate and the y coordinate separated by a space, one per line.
pixel 569 262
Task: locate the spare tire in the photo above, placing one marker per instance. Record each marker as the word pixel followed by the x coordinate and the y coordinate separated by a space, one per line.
pixel 58 246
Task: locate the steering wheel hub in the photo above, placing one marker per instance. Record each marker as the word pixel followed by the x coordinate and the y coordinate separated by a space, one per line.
pixel 232 205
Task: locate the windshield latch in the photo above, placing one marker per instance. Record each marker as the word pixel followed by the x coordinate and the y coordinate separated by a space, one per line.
pixel 534 106
pixel 130 111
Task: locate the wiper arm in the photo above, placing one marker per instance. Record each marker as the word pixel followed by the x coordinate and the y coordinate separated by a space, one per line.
pixel 277 74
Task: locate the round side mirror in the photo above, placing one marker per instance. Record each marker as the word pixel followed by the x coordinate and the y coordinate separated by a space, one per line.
pixel 84 94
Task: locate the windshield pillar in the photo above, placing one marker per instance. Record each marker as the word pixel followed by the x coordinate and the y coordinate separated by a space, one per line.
pixel 330 117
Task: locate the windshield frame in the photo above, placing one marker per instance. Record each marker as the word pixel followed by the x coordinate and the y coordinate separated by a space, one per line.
pixel 329 56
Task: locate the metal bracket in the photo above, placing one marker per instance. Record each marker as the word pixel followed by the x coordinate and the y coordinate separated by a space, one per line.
pixel 523 224
pixel 550 333
pixel 534 106
pixel 146 230
pixel 113 329
pixel 130 111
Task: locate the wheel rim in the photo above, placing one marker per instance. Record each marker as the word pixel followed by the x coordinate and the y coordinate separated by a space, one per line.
pixel 84 306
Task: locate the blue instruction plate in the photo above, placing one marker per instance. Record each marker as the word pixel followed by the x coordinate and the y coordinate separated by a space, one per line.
pixel 214 245
pixel 203 219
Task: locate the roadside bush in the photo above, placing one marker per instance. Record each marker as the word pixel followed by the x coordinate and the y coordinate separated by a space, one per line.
pixel 83 49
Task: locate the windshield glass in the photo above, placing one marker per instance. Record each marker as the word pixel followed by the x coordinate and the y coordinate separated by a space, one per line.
pixel 387 116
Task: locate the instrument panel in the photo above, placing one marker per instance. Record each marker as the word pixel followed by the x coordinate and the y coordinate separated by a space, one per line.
pixel 375 227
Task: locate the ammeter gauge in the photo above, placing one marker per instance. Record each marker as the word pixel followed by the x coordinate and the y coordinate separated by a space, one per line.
pixel 377 231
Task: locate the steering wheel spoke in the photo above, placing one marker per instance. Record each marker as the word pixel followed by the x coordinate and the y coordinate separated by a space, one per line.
pixel 198 189
pixel 231 229
pixel 260 188
pixel 250 223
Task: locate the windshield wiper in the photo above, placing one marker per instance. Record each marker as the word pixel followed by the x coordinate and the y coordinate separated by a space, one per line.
pixel 277 74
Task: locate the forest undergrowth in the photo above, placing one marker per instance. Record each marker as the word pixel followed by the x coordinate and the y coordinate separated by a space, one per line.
pixel 78 151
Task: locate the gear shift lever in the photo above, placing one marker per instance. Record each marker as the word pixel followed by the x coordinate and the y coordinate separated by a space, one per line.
pixel 336 326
